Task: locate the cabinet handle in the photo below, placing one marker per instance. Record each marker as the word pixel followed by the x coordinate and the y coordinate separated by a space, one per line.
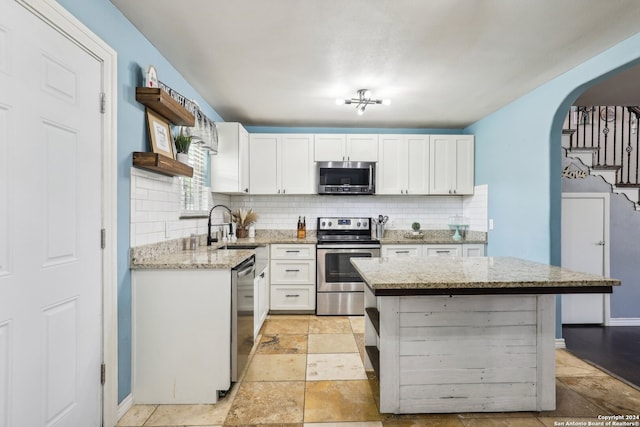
pixel 262 275
pixel 284 190
pixel 406 191
pixel 246 190
pixel 291 270
pixel 278 191
pixel 248 296
pixel 600 243
pixel 401 191
pixel 443 252
pixel 295 251
pixel 402 252
pixel 454 191
pixel 292 295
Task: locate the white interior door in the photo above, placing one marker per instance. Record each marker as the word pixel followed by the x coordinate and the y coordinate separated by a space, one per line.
pixel 585 243
pixel 50 219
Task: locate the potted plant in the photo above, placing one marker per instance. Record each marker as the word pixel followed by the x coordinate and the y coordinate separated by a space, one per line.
pixel 416 228
pixel 182 142
pixel 243 219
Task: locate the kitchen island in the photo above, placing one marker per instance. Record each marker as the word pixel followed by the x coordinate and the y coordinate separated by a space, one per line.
pixel 454 334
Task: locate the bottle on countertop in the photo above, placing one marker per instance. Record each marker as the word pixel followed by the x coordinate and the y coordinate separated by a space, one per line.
pixel 304 227
pixel 299 232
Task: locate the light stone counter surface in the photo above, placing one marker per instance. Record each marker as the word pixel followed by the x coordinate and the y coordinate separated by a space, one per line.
pixel 443 275
pixel 394 237
pixel 202 258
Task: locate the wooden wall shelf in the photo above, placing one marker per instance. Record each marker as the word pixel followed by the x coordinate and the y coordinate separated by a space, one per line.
pixel 161 164
pixel 162 103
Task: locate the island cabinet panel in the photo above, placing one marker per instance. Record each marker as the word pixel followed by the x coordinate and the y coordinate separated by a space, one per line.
pixel 477 353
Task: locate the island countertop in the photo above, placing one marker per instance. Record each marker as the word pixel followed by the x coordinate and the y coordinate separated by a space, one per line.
pixel 473 276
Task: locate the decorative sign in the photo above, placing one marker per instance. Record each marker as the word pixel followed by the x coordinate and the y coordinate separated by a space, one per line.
pixel 151 79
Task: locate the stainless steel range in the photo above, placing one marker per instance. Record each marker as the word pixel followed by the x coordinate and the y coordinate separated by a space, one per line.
pixel 340 289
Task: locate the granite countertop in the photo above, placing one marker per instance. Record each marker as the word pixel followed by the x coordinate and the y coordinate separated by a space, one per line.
pixel 392 237
pixel 202 258
pixel 473 275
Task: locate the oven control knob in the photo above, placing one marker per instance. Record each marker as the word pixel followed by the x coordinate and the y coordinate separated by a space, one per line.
pixel 330 223
pixel 364 224
pixel 358 224
pixel 323 223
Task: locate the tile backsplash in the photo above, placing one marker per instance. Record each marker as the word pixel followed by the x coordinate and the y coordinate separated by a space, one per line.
pixel 155 209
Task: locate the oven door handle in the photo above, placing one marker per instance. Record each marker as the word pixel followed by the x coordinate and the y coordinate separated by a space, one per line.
pixel 351 247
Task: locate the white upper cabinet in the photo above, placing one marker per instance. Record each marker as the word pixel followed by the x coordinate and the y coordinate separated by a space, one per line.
pixel 281 164
pixel 451 164
pixel 230 167
pixel 350 147
pixel 403 166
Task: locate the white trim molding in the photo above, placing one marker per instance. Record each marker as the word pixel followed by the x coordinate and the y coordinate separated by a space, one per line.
pixel 624 321
pixel 125 405
pixel 56 16
pixel 560 343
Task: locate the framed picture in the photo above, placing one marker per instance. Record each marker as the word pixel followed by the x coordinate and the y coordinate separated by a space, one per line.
pixel 160 135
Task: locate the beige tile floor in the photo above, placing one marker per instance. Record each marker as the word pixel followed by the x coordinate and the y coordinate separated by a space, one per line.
pixel 308 371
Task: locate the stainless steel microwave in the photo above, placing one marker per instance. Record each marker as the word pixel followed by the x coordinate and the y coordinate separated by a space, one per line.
pixel 355 178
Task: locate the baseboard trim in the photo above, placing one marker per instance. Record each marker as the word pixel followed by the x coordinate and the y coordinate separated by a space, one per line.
pixel 624 321
pixel 125 405
pixel 560 343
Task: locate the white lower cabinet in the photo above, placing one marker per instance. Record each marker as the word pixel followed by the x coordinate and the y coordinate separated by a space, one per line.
pixel 293 277
pixel 473 249
pixel 419 250
pixel 401 250
pixel 174 310
pixel 261 307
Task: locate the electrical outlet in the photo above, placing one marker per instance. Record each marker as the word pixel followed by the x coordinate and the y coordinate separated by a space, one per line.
pixel 491 224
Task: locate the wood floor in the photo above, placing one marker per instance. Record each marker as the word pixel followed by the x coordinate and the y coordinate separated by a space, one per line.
pixel 615 349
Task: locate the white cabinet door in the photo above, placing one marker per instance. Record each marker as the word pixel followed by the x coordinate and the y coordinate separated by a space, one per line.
pixel 417 164
pixel 472 249
pixel 350 147
pixel 263 161
pixel 230 166
pixel 401 250
pixel 329 147
pixel 451 164
pixel 392 165
pixel 261 308
pixel 362 148
pixel 403 166
pixel 296 164
pixel 281 164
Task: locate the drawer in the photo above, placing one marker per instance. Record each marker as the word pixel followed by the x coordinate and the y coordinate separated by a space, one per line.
pixel 442 250
pixel 401 250
pixel 293 251
pixel 473 249
pixel 301 272
pixel 292 297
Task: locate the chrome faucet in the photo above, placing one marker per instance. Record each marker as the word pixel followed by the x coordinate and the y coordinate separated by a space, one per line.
pixel 209 238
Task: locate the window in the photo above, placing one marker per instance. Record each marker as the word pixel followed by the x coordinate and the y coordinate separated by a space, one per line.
pixel 194 194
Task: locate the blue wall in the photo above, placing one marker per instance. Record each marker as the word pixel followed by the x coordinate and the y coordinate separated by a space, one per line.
pixel 518 155
pixel 135 53
pixel 517 150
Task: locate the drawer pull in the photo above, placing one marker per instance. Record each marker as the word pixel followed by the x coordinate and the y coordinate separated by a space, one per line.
pixel 402 252
pixel 443 252
pixel 293 251
pixel 292 295
pixel 248 296
pixel 292 270
pixel 262 275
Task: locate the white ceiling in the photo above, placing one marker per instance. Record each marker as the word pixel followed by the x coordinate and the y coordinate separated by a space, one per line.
pixel 443 63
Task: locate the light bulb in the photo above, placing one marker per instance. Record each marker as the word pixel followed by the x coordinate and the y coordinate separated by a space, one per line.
pixel 367 94
pixel 360 110
pixel 386 102
pixel 340 101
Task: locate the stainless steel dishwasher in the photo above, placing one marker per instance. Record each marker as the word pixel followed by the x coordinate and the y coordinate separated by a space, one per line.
pixel 241 315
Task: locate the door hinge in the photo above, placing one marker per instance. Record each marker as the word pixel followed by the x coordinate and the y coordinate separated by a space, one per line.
pixel 103 238
pixel 103 373
pixel 103 102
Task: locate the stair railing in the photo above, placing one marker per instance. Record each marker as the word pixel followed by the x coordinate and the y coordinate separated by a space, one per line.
pixel 612 132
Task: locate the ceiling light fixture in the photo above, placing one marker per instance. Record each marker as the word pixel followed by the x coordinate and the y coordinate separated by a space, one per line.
pixel 363 99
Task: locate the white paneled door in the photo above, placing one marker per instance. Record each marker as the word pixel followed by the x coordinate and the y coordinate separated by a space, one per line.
pixel 50 219
pixel 585 247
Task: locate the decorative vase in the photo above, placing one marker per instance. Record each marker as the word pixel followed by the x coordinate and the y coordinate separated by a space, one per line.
pixel 183 158
pixel 241 232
